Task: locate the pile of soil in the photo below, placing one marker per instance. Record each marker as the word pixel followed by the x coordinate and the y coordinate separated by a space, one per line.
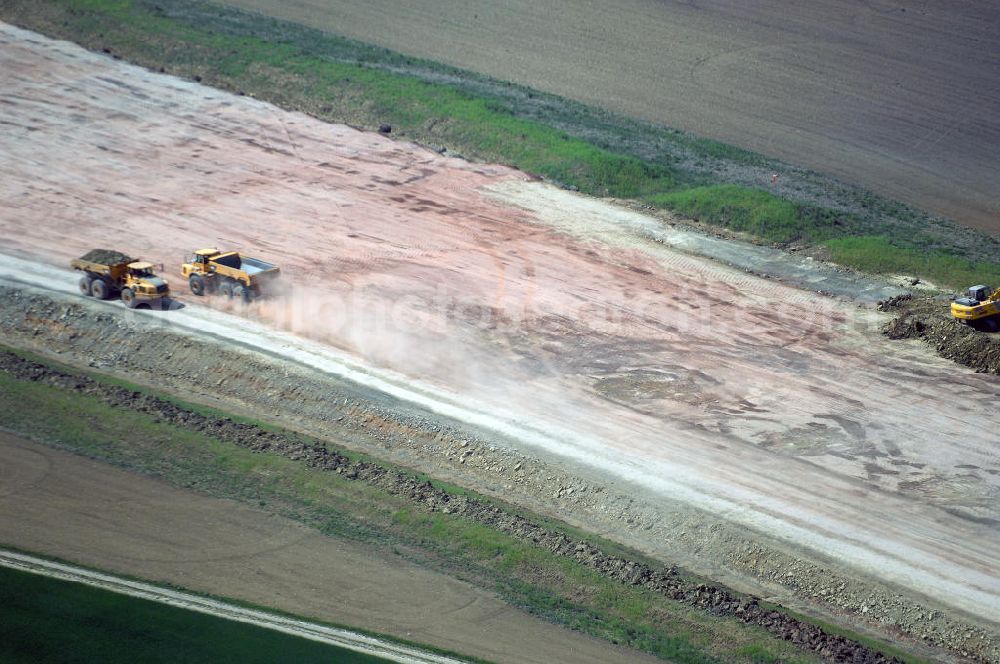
pixel 929 319
pixel 105 257
pixel 666 581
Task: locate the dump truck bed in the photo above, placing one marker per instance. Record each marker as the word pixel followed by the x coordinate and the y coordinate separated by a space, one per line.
pixel 250 266
pixel 255 266
pixel 251 271
pixel 101 261
pixel 89 266
pixel 106 257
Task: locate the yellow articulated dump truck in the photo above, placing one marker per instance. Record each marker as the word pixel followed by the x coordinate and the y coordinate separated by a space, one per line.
pixel 980 308
pixel 110 273
pixel 228 273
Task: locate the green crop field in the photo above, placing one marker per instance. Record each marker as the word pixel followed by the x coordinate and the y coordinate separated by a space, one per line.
pixel 49 620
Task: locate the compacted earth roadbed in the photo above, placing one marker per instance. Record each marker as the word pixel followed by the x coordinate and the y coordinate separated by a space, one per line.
pixel 682 387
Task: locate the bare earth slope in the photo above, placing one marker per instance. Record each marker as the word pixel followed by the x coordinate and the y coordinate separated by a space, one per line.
pixel 100 516
pixel 902 99
pixel 521 308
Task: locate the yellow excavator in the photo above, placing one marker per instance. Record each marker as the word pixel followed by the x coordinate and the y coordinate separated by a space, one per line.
pixel 980 308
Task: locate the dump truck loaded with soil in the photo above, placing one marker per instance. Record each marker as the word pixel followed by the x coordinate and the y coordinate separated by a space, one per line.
pixel 228 273
pixel 108 273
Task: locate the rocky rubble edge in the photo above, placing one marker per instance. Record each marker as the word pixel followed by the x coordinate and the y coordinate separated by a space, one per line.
pixel 665 581
pixel 928 319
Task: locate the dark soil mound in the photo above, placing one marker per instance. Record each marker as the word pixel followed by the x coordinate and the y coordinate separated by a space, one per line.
pixel 105 257
pixel 928 319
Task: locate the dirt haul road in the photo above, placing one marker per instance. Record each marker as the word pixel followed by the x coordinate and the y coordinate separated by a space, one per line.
pixel 103 517
pixel 898 97
pixel 535 313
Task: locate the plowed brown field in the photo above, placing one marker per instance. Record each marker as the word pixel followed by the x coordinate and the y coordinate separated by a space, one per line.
pixel 897 96
pixel 96 515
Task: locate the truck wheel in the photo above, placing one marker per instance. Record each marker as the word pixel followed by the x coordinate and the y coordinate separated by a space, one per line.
pixel 197 284
pixel 85 286
pixel 226 288
pixel 99 289
pixel 241 293
pixel 128 297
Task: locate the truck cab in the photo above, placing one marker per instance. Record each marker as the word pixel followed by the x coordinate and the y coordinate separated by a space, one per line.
pixel 142 280
pixel 199 262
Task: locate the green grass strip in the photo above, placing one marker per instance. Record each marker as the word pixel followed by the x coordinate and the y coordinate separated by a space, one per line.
pixel 754 211
pixel 880 255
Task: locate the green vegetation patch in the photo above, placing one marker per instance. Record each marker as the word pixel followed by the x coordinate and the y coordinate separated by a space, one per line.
pixel 754 211
pixel 50 620
pixel 881 255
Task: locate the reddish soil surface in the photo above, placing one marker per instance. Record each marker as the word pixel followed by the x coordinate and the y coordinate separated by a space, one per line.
pixel 781 409
pixel 899 97
pixel 96 515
